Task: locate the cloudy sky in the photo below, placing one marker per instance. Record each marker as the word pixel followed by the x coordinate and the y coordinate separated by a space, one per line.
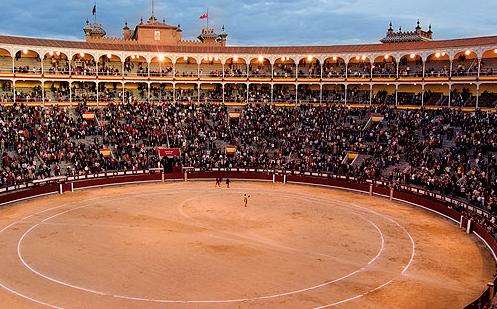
pixel 257 22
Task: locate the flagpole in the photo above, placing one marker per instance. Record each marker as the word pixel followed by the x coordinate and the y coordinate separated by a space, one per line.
pixel 95 15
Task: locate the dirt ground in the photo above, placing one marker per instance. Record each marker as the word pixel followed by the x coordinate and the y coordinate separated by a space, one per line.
pixel 192 245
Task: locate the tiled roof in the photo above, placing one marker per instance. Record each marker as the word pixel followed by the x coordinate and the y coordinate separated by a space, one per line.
pixel 333 49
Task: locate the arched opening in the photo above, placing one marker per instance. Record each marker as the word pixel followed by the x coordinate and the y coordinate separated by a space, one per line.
pixel 161 66
pixel 211 67
pixel 410 66
pixel 359 94
pixel 437 66
pixel 186 93
pixel 135 93
pixel 235 67
pixel 410 95
pixel 235 93
pixel 260 68
pixel 5 61
pixel 136 65
pixel 83 65
pixel 463 95
pixel 260 93
pixel 489 64
pixel 6 91
pixel 488 96
pixel 186 67
pixel 29 91
pixel 110 65
pixel 465 64
pixel 384 94
pixel 284 68
pixel 55 63
pixel 309 67
pixel 211 93
pixel 309 94
pixel 359 67
pixel 110 92
pixel 161 93
pixel 284 93
pixel 334 94
pixel 27 62
pixel 334 68
pixel 57 92
pixel 84 92
pixel 385 67
pixel 436 95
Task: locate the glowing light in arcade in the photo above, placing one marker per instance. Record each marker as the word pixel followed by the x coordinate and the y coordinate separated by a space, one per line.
pixel 25 51
pixel 235 59
pixel 310 58
pixel 467 53
pixel 260 59
pixel 413 56
pixel 161 58
pixel 81 55
pixel 387 57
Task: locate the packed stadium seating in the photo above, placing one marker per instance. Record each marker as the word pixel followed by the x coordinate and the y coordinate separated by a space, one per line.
pixel 446 150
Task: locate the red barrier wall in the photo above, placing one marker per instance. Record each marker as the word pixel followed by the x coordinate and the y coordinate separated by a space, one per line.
pixel 31 192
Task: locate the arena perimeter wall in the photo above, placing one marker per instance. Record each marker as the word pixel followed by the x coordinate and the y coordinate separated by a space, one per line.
pixel 444 206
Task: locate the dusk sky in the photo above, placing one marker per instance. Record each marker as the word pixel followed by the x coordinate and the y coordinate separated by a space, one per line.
pixel 257 22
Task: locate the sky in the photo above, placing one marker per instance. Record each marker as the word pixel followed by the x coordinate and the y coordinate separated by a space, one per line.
pixel 257 22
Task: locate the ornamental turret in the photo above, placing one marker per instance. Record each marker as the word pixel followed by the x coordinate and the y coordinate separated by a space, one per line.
pixel 418 35
pixel 93 30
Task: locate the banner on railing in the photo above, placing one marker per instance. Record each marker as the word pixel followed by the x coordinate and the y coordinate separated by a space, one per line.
pixel 168 152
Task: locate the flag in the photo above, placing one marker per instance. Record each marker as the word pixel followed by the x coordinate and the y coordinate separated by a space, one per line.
pixel 204 16
pixel 94 11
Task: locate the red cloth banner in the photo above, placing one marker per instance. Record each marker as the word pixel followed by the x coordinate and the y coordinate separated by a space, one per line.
pixel 169 152
pixel 204 16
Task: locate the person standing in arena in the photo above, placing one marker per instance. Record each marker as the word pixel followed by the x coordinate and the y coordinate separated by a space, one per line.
pixel 228 181
pixel 218 182
pixel 245 199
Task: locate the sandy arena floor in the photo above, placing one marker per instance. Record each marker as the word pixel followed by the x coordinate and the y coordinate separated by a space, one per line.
pixel 191 245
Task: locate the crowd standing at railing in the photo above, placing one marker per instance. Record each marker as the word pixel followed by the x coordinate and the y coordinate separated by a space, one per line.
pixel 449 151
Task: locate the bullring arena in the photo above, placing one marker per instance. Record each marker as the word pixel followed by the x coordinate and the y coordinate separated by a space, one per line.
pixel 193 245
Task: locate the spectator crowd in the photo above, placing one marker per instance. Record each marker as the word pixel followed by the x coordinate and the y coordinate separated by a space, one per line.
pixel 446 150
